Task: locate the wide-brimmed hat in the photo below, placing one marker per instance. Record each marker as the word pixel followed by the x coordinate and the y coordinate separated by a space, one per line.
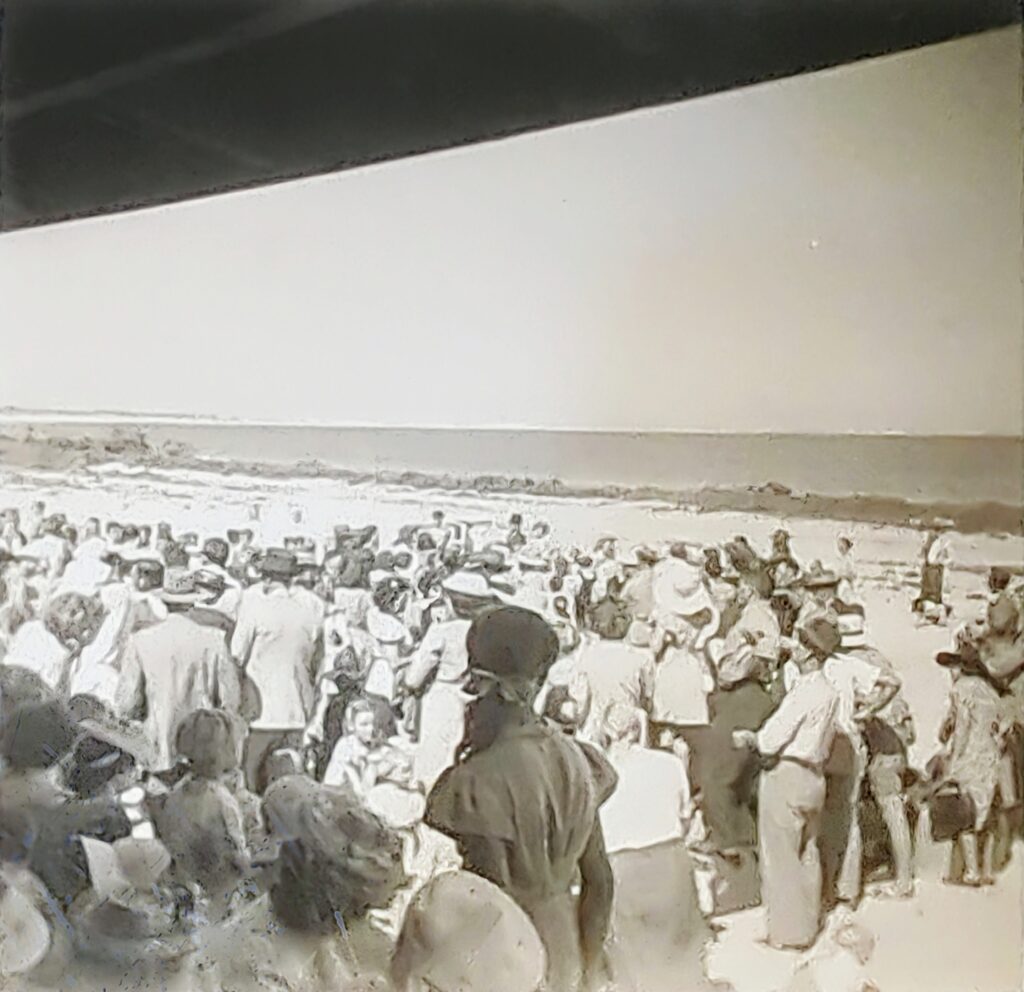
pixel 179 588
pixel 24 932
pixel 277 563
pixel 820 634
pixel 689 594
pixel 467 585
pixel 463 933
pixel 852 631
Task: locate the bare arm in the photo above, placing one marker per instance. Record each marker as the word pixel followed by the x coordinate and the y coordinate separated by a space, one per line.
pixel 595 905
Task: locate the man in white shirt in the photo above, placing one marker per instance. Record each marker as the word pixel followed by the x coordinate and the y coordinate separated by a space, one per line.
pixel 278 643
pixel 863 689
pixel 798 739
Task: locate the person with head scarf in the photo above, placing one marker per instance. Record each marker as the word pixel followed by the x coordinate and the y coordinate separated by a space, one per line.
pixel 659 930
pixel 432 684
pixel 522 801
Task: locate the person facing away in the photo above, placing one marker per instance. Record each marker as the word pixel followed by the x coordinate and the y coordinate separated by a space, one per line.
pixel 174 668
pixel 796 741
pixel 278 643
pixel 200 821
pixel 659 930
pixel 523 801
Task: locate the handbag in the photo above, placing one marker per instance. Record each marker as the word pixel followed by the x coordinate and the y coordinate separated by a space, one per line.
pixel 951 813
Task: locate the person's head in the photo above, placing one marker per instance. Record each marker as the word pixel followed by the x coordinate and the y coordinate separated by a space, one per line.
pixel 998 579
pixel 100 765
pixel 216 551
pixel 621 725
pixel 361 722
pixel 820 636
pixel 713 563
pixel 425 542
pixel 147 575
pixel 403 561
pixel 844 544
pixel 180 591
pixel 278 565
pixel 510 652
pixel 610 619
pixel 540 530
pixel 438 517
pixel 91 528
pixel 175 555
pixel 278 764
pixel 20 687
pixel 780 541
pixel 207 740
pixel 337 859
pixel 74 619
pixel 53 525
pixel 441 610
pixel 37 736
pixel 515 520
pixel 1003 617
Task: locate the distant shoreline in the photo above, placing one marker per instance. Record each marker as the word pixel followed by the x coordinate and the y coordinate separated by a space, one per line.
pixel 68 447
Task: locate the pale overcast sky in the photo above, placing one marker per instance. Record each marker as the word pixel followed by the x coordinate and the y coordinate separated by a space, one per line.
pixel 835 252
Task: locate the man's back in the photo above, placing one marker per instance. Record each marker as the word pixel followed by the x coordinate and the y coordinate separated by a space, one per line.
pixel 648 804
pixel 275 641
pixel 170 670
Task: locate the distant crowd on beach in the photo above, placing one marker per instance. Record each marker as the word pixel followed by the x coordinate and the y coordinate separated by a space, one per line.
pixel 466 755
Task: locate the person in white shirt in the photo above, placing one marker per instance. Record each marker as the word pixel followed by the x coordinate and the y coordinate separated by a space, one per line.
pixel 658 929
pixel 797 739
pixel 614 671
pixel 278 643
pixel 863 689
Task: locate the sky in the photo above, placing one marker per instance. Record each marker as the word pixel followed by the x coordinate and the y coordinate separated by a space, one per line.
pixel 837 252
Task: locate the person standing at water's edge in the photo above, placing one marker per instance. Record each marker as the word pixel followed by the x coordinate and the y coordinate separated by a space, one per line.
pixel 522 803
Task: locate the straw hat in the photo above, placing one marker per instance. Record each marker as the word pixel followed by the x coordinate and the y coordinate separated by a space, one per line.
pixel 24 932
pixel 464 934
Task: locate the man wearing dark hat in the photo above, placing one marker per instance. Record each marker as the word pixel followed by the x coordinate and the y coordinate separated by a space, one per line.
pixel 278 643
pixel 173 668
pixel 796 741
pixel 522 801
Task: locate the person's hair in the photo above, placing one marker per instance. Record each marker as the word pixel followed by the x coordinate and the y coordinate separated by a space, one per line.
pixel 425 542
pixel 620 723
pixel 357 708
pixel 998 579
pixel 82 706
pixel 337 859
pixel 20 687
pixel 175 555
pixel 206 739
pixel 37 735
pixel 74 619
pixel 95 762
pixel 276 765
pixel 217 550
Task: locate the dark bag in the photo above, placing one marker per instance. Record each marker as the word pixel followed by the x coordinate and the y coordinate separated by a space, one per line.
pixel 951 813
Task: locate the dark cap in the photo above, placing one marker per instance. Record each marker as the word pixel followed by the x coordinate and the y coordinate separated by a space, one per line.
pixel 216 549
pixel 276 563
pixel 512 642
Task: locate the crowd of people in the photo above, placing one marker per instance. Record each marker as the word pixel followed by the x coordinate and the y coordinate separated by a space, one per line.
pixel 462 757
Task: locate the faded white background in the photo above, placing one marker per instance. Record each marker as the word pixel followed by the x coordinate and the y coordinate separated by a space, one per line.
pixel 835 252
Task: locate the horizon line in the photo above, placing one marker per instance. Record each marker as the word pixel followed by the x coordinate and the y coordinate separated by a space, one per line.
pixel 11 415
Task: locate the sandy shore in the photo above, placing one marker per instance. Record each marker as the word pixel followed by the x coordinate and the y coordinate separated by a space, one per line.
pixel 971 939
